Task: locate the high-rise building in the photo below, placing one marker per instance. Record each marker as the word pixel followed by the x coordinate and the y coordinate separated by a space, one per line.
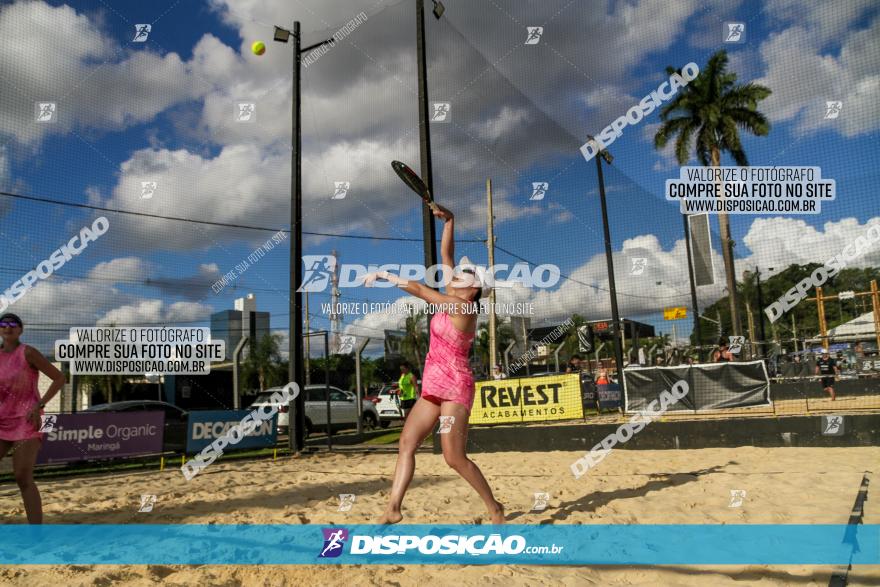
pixel 231 325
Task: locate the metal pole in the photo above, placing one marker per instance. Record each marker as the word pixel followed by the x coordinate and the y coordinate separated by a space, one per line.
pixel 358 392
pixel 236 359
pixel 308 340
pixel 761 314
pixel 615 316
pixel 687 240
pixel 327 387
pixel 295 354
pixel 490 245
pixel 428 232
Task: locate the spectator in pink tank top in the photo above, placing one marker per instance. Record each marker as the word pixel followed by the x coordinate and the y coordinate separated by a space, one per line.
pixel 447 381
pixel 21 408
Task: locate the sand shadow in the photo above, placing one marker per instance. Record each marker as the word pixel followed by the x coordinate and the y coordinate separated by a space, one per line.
pixel 593 501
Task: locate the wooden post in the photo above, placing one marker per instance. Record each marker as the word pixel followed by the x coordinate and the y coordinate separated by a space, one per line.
pixel 875 305
pixel 823 325
pixel 794 332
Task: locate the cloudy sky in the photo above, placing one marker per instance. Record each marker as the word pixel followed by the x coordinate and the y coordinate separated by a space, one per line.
pixel 163 111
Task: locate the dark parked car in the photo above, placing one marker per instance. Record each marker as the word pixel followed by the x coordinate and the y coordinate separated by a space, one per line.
pixel 174 439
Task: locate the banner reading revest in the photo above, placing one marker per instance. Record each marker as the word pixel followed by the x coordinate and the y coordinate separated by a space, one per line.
pixel 527 399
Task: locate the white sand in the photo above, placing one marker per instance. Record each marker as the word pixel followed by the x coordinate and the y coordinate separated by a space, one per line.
pixel 783 485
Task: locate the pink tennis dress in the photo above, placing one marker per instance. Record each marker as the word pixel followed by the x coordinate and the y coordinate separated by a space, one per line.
pixel 447 374
pixel 18 395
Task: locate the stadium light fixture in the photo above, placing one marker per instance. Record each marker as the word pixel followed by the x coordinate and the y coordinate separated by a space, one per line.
pixel 439 9
pixel 281 35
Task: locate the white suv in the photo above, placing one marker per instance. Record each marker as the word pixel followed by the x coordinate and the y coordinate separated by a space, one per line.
pixel 343 409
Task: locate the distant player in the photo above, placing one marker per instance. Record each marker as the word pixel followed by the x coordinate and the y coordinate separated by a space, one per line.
pixel 409 390
pixel 827 368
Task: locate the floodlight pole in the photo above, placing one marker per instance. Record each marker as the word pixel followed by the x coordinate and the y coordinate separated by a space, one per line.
pixel 429 236
pixel 295 343
pixel 615 315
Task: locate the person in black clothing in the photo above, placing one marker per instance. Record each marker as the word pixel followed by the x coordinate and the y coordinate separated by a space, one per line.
pixel 574 364
pixel 827 367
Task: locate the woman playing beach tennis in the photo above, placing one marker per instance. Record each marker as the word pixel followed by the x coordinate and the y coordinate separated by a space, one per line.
pixel 447 383
pixel 21 407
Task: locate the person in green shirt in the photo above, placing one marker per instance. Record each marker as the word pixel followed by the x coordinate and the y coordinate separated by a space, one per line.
pixel 409 389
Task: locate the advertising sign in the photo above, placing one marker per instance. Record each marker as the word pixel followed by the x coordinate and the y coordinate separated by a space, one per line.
pixel 102 435
pixel 206 426
pixel 528 399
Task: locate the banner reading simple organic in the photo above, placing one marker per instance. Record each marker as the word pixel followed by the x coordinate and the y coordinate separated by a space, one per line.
pixel 527 399
pixel 102 435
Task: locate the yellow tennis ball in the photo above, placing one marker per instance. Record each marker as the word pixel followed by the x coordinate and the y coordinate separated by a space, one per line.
pixel 259 47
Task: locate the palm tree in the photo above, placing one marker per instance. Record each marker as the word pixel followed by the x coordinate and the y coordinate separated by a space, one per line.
pixel 262 362
pixel 708 114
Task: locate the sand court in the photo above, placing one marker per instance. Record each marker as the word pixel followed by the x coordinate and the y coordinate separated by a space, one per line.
pixel 708 486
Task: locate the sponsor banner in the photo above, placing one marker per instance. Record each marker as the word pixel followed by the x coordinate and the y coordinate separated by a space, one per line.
pixel 712 386
pixel 609 396
pixel 107 435
pixel 544 544
pixel 206 426
pixel 527 399
pixel 868 365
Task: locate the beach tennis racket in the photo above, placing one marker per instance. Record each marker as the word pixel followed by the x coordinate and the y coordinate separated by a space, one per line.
pixel 414 182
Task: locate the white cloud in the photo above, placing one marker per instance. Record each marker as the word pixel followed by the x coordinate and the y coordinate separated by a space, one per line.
pixel 851 75
pixel 56 54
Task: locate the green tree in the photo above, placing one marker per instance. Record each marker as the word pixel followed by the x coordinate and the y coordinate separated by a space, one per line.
pixel 707 115
pixel 261 368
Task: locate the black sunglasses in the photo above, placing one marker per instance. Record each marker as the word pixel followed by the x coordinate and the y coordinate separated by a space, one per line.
pixel 9 324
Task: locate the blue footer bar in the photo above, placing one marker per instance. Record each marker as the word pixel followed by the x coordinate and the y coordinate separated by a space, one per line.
pixel 441 544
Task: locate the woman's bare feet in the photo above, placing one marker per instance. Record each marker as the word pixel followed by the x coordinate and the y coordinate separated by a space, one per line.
pixel 497 514
pixel 391 517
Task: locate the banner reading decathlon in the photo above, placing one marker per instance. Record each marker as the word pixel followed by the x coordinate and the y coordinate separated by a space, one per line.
pixel 527 399
pixel 206 426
